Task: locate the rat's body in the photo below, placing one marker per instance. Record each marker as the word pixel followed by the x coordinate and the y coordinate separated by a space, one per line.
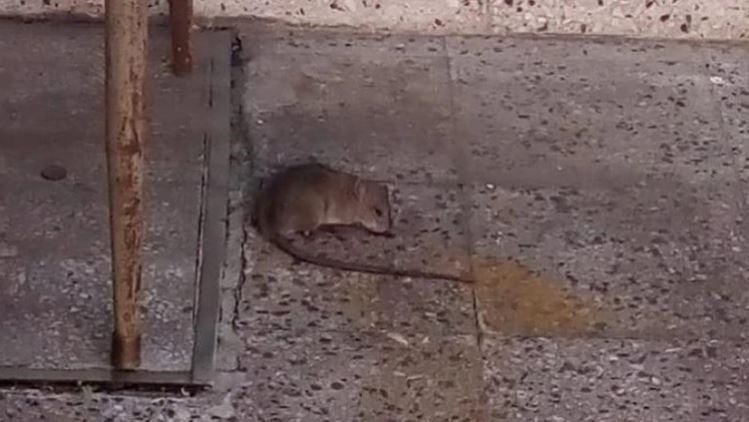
pixel 307 197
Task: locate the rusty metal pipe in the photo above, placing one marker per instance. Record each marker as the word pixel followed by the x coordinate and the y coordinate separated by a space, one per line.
pixel 126 40
pixel 180 21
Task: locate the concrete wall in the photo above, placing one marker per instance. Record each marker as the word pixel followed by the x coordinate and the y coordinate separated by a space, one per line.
pixel 715 19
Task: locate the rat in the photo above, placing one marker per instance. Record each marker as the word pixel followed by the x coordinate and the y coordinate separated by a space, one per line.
pixel 309 197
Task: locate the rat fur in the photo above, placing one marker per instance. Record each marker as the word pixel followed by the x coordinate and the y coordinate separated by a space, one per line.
pixel 308 197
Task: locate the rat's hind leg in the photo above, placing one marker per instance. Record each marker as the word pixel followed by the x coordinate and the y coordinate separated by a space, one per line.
pixel 299 225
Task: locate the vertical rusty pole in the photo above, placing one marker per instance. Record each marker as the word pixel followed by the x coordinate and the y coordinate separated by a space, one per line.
pixel 180 21
pixel 126 39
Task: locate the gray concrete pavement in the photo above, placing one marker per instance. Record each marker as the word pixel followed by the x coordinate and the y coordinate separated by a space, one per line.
pixel 597 187
pixel 55 307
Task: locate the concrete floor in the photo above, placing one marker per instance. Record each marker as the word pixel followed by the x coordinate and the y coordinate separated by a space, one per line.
pixel 55 310
pixel 596 187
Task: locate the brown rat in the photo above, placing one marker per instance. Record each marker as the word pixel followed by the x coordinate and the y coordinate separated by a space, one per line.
pixel 307 197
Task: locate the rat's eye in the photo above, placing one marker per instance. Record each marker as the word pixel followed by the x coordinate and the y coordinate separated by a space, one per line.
pixel 378 212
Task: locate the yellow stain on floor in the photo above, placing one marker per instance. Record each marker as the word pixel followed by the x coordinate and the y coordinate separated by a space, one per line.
pixel 513 300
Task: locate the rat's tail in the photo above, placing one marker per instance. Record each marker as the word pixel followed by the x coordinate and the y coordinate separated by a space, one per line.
pixel 285 245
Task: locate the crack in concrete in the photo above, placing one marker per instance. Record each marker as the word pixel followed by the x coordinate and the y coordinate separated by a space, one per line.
pixel 240 283
pixel 240 156
pixel 461 169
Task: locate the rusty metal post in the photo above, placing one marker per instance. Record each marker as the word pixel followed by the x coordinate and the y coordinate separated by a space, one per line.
pixel 126 39
pixel 180 21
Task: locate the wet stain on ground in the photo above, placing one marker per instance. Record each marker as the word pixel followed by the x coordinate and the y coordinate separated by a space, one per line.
pixel 514 300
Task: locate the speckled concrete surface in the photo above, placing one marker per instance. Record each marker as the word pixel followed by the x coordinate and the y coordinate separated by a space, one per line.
pixel 335 99
pixel 55 270
pixel 718 19
pixel 615 380
pixel 597 188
